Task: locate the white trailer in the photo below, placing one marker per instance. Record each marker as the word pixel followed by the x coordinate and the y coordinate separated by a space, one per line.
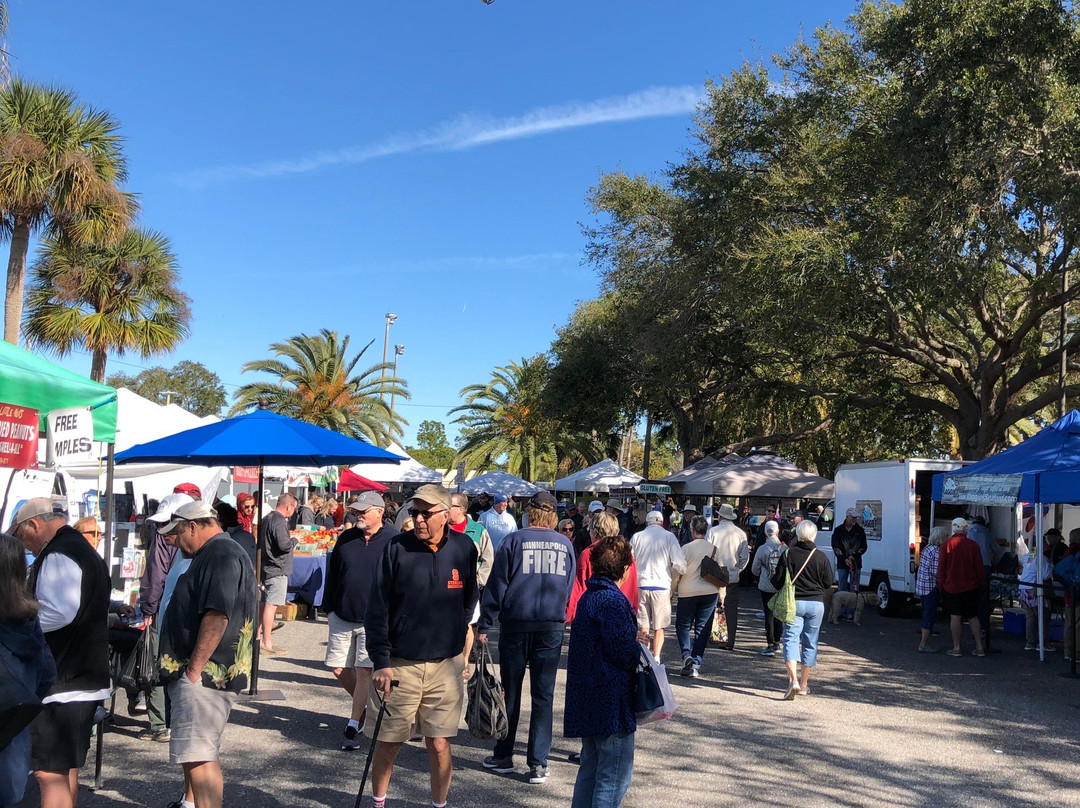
pixel 892 500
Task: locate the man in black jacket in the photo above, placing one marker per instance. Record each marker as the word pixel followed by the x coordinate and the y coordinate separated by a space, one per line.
pixel 350 569
pixel 848 544
pixel 416 620
pixel 71 583
pixel 277 562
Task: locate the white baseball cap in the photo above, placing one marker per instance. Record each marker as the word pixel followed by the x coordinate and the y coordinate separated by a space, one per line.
pixel 168 506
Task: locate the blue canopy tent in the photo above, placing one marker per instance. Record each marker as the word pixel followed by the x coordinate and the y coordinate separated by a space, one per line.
pixel 258 438
pixel 1042 470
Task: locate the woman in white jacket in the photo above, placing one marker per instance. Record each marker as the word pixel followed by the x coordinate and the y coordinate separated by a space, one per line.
pixel 764 565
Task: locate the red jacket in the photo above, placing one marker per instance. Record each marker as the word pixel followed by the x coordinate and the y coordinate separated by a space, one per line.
pixel 960 566
pixel 584 573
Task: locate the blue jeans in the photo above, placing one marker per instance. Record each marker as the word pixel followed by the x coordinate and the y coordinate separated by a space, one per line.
pixel 804 631
pixel 539 652
pixel 607 764
pixel 843 584
pixel 929 608
pixel 694 613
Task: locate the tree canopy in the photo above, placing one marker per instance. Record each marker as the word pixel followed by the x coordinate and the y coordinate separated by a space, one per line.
pixel 192 386
pixel 432 448
pixel 505 420
pixel 316 380
pixel 878 227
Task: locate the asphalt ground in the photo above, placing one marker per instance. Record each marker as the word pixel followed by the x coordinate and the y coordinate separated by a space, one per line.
pixel 883 725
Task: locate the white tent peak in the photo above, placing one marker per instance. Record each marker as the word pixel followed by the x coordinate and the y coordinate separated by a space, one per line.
pixel 407 471
pixel 498 482
pixel 600 477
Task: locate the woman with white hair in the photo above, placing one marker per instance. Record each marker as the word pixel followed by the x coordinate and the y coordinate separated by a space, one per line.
pixel 812 576
pixel 764 566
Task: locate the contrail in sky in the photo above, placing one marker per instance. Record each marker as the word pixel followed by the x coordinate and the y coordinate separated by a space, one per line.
pixel 465 132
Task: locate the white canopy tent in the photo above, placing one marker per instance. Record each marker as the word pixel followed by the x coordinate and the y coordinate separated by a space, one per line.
pixel 408 471
pixel 759 475
pixel 599 478
pixel 498 482
pixel 140 420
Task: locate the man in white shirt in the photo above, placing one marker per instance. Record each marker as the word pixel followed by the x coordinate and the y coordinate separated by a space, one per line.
pixel 71 583
pixel 498 522
pixel 733 552
pixel 658 554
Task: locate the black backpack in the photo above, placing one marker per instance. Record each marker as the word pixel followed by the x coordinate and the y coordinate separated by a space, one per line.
pixel 486 713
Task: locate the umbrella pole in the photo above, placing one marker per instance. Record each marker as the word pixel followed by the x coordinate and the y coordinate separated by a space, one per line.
pixel 257 644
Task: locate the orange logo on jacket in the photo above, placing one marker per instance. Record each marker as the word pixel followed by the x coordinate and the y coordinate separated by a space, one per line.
pixel 455 582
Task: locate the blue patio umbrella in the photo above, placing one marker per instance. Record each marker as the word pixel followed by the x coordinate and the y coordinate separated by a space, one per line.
pixel 259 438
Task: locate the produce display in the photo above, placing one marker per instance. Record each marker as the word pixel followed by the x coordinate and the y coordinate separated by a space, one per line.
pixel 315 541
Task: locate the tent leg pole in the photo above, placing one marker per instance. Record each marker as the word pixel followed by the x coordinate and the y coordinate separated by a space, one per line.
pixel 110 506
pixel 257 642
pixel 1038 575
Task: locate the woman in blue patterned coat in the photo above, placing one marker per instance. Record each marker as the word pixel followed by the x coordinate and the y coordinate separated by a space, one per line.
pixel 600 680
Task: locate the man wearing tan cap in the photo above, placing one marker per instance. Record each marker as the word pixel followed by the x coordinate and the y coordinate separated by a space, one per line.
pixel 70 581
pixel 206 643
pixel 417 616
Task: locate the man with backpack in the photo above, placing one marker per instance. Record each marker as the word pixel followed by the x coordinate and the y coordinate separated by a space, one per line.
pixel 764 567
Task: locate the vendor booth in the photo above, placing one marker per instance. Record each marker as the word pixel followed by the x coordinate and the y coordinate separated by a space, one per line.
pixel 1044 469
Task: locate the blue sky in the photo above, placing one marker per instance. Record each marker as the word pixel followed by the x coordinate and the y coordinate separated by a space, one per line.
pixel 318 165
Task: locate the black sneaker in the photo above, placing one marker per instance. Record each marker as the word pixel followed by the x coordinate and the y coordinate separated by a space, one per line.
pixel 538 774
pixel 351 741
pixel 687 666
pixel 500 765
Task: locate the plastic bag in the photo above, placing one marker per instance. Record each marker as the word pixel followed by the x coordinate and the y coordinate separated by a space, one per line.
pixel 667 709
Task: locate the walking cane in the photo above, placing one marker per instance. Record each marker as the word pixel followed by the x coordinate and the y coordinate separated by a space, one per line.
pixel 374 738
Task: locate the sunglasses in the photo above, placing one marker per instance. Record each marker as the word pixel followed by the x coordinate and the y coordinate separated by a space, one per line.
pixel 567 529
pixel 94 533
pixel 247 507
pixel 416 514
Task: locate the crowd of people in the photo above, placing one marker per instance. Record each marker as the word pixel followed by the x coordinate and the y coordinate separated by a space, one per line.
pixel 955 571
pixel 409 593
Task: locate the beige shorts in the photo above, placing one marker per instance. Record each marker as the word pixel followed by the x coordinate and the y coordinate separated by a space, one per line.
pixel 198 719
pixel 429 694
pixel 346 647
pixel 654 609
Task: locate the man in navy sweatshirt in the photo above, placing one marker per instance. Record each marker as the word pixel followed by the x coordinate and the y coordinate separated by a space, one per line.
pixel 528 592
pixel 422 598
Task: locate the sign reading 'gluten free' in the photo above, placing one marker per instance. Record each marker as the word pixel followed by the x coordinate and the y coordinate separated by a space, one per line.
pixel 18 437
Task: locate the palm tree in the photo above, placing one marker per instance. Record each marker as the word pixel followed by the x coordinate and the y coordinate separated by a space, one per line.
pixel 504 419
pixel 316 383
pixel 115 298
pixel 60 165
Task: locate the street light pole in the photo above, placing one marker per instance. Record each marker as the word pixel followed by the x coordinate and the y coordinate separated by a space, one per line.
pixel 390 318
pixel 398 351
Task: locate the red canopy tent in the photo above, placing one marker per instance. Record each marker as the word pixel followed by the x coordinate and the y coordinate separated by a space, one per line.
pixel 351 481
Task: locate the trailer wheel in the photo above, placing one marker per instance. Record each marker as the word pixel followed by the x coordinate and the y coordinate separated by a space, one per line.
pixel 880 586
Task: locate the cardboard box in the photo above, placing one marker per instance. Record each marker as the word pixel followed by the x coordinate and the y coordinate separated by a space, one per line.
pixel 286 612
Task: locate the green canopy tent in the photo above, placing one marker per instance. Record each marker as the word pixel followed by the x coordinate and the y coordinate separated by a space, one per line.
pixel 30 381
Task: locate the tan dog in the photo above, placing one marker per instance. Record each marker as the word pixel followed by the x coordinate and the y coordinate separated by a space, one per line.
pixel 851 600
